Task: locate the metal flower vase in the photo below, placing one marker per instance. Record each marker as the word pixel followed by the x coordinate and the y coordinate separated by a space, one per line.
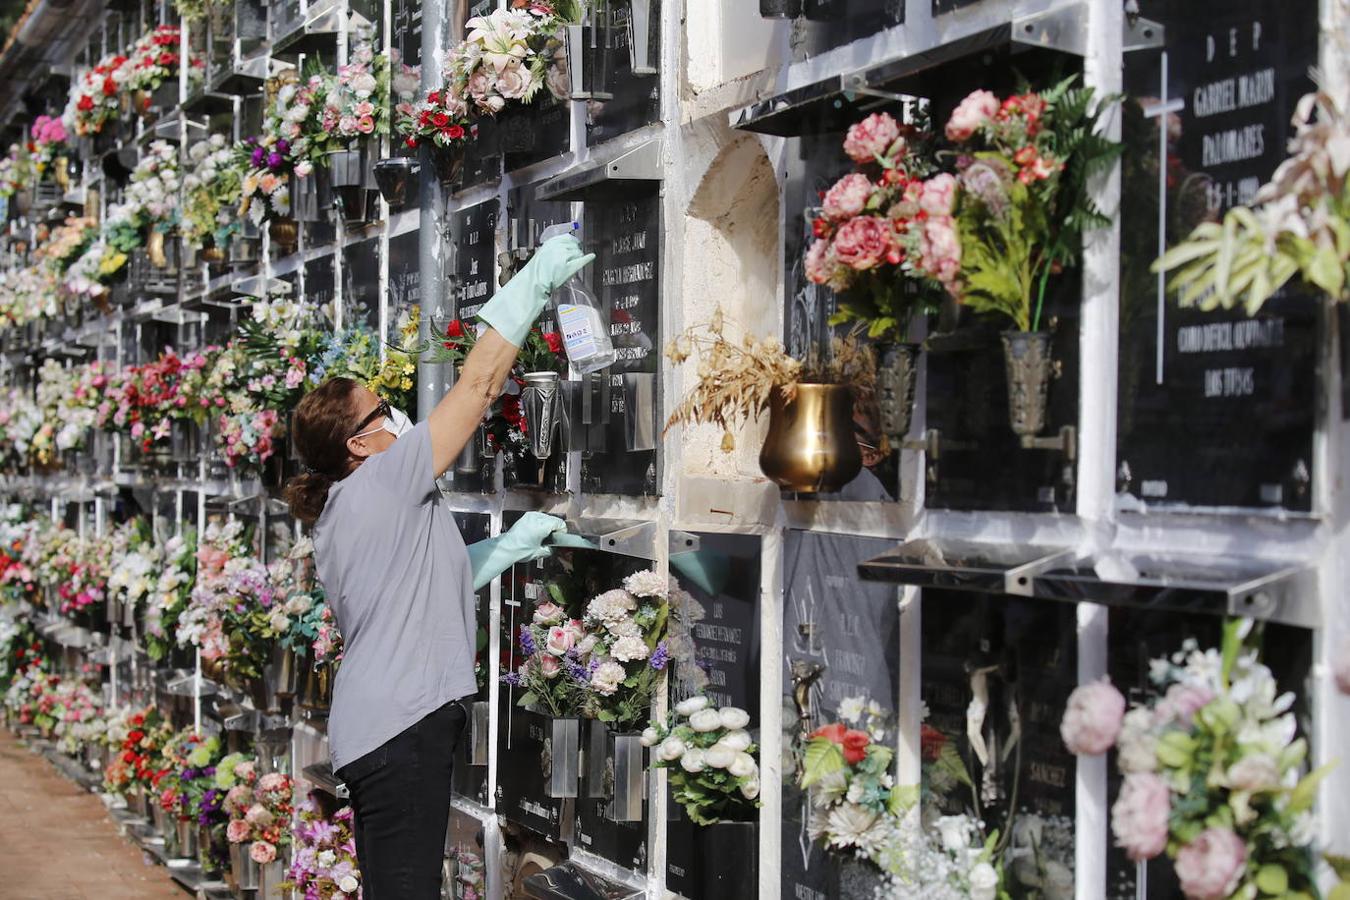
pixel 625 762
pixel 284 232
pixel 186 833
pixel 395 177
pixel 897 377
pixel 244 872
pixel 729 859
pixel 349 173
pixel 539 402
pixel 272 876
pixel 561 756
pixel 810 446
pixel 1030 368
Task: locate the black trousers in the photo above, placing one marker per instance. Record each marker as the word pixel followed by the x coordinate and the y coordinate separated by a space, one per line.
pixel 400 793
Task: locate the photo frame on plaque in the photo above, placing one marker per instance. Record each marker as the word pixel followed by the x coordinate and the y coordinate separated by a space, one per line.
pixel 1217 409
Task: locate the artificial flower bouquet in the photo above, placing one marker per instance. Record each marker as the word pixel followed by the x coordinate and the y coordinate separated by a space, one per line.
pixel 439 120
pixel 212 187
pixel 356 100
pixel 154 60
pixel 1215 774
pixel 96 96
pixel 606 664
pixel 48 144
pixel 885 239
pixel 858 809
pixel 134 563
pixel 224 556
pixel 137 756
pixel 355 353
pixel 172 590
pixel 510 55
pixel 189 791
pixel 31 695
pixel 710 762
pixel 324 865
pixel 259 809
pixel 16 171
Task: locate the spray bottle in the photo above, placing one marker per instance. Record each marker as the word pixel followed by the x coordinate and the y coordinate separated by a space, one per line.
pixel 581 320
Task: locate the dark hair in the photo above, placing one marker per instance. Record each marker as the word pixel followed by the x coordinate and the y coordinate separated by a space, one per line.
pixel 320 428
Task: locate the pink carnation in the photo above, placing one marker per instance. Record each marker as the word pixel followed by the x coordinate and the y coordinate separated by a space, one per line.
pixel 1211 866
pixel 237 831
pixel 939 195
pixel 262 852
pixel 1092 719
pixel 940 249
pixel 847 198
pixel 978 108
pixel 864 242
pixel 821 265
pixel 1139 816
pixel 272 781
pixel 871 137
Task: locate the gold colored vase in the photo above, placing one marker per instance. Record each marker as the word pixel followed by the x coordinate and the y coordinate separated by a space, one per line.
pixel 284 232
pixel 154 248
pixel 810 446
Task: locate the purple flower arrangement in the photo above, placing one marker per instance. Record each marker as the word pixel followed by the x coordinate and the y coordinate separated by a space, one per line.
pixel 324 866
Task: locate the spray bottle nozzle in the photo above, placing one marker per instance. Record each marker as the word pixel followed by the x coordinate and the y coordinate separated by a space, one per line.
pixel 553 231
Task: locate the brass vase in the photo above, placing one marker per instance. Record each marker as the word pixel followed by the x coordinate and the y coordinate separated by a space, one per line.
pixel 1027 355
pixel 154 248
pixel 284 232
pixel 810 446
pixel 212 255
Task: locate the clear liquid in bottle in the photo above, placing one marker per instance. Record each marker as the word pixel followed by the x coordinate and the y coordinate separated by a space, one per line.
pixel 581 320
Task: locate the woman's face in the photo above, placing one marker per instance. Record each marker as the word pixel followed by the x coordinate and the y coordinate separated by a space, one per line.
pixel 368 438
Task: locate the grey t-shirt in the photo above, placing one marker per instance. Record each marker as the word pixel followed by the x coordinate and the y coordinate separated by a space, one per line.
pixel 397 576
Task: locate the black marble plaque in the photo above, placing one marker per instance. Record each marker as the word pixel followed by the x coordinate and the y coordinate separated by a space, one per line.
pixel 1216 409
pixel 533 132
pixel 405 276
pixel 626 238
pixel 723 575
pixel 361 283
pixel 470 780
pixel 849 630
pixel 832 23
pixel 633 100
pixel 319 284
pixel 1021 655
pixel 407 32
pixel 470 259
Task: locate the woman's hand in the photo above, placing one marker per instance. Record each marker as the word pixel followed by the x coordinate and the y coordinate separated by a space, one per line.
pixel 514 309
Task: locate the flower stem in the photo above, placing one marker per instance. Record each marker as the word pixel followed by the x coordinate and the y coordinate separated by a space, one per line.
pixel 1040 295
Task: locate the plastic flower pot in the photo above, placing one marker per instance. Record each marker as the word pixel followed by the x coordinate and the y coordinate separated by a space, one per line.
pixel 897 376
pixel 395 176
pixel 1030 368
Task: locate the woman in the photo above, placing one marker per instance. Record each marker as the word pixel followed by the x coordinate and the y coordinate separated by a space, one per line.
pixel 398 577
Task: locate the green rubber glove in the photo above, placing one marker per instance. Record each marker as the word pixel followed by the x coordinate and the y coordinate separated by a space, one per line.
pixel 524 541
pixel 515 308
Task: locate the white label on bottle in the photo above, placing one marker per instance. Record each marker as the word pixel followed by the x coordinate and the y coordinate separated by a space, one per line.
pixel 577 324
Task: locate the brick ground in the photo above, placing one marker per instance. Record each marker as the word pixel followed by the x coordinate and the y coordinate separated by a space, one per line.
pixel 58 843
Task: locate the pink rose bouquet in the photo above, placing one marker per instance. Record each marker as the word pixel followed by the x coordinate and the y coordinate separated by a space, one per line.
pixel 259 808
pixel 882 231
pixel 508 55
pixel 1215 774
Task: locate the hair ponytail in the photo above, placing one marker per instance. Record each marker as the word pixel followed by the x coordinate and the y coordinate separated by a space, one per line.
pixel 319 430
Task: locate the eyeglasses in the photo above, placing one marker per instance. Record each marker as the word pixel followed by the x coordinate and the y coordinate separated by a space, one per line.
pixel 381 409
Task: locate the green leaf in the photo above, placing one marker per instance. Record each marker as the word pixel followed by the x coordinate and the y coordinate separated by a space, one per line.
pixel 1339 864
pixel 1272 879
pixel 529 698
pixel 1324 270
pixel 902 797
pixel 1302 796
pixel 822 757
pixel 1340 892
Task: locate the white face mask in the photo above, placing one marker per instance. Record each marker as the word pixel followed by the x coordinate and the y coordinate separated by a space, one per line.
pixel 396 423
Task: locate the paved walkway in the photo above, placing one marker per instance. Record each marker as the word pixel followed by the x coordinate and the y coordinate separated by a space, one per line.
pixel 58 843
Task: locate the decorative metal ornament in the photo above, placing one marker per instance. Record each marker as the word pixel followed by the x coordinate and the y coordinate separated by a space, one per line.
pixel 897 377
pixel 810 446
pixel 1030 368
pixel 539 403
